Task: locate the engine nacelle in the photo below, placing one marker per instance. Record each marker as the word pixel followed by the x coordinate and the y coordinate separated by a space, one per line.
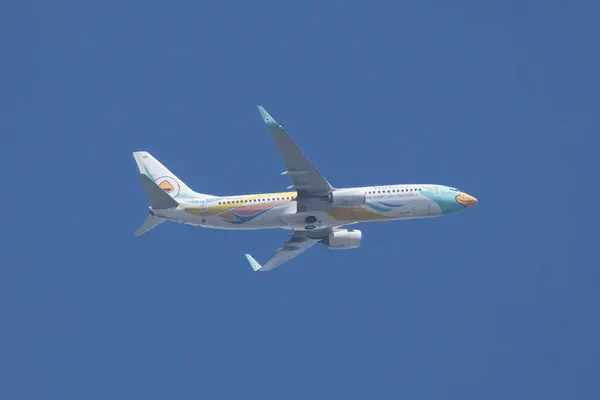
pixel 344 239
pixel 347 198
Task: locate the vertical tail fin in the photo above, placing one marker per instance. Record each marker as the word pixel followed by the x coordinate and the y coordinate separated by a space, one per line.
pixel 165 179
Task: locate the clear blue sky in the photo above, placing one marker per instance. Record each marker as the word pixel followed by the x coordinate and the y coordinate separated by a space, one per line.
pixel 499 100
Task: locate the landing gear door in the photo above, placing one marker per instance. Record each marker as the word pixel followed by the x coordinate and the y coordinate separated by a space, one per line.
pixel 303 221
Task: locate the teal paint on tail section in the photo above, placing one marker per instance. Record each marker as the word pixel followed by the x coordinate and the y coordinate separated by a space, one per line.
pixel 168 181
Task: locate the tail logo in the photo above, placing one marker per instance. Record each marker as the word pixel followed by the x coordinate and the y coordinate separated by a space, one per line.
pixel 168 185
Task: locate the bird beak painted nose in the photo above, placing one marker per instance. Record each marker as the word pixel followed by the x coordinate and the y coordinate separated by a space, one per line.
pixel 466 200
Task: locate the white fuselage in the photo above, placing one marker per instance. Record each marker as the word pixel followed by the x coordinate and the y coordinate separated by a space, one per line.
pixel 280 210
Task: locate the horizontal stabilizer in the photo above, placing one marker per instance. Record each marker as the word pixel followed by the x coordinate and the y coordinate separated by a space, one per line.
pixel 158 198
pixel 150 223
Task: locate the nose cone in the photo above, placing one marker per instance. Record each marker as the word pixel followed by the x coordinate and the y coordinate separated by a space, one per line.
pixel 466 200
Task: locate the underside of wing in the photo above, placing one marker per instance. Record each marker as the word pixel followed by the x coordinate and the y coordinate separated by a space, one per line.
pixel 307 180
pixel 297 244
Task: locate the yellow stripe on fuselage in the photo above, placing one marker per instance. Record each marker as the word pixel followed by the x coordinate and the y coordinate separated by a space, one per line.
pixel 231 202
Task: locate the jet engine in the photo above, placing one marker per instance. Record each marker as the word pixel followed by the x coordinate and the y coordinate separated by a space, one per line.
pixel 347 198
pixel 343 239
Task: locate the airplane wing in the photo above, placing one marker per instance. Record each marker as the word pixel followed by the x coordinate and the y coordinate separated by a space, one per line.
pixel 306 178
pixel 297 244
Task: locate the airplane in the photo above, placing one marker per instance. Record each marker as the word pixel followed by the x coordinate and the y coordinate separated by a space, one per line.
pixel 312 209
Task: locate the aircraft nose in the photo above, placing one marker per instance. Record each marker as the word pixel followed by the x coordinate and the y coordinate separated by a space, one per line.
pixel 466 200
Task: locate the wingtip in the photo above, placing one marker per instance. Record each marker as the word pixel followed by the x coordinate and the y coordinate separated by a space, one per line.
pixel 253 263
pixel 266 116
